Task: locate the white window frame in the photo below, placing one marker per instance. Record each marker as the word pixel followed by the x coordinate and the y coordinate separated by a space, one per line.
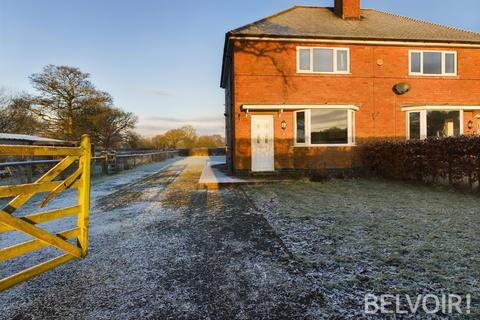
pixel 423 124
pixel 335 66
pixel 308 119
pixel 421 73
pixel 423 119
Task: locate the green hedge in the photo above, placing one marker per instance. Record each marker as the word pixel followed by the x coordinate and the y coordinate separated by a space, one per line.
pixel 455 160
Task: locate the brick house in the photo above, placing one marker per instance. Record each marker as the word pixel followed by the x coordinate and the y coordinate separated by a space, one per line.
pixel 306 86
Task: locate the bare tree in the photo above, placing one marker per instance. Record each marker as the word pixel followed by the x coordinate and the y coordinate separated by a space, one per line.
pixel 64 92
pixel 186 137
pixel 108 126
pixel 210 141
pixel 16 116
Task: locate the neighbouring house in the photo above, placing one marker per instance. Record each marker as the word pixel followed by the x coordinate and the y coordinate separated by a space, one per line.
pixel 306 86
pixel 25 139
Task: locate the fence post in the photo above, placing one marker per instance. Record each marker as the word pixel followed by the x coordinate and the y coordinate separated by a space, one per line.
pixel 450 174
pixel 84 194
pixel 104 155
pixel 29 171
pixel 113 161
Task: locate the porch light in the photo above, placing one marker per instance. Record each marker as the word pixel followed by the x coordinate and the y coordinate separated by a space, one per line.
pixel 284 125
pixel 470 124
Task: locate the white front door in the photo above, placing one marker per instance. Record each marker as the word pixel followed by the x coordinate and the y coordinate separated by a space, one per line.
pixel 262 144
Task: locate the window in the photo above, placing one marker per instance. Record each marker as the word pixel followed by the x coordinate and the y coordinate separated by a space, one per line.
pixel 433 63
pixel 324 127
pixel 414 125
pixel 443 124
pixel 423 124
pixel 300 127
pixel 328 127
pixel 323 60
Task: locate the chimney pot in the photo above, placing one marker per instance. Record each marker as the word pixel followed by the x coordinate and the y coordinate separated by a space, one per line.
pixel 347 9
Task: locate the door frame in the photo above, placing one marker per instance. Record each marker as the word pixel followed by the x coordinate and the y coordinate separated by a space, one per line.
pixel 271 119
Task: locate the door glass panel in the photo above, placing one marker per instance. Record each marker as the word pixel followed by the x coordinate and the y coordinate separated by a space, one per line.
pixel 432 63
pixel 323 60
pixel 443 123
pixel 300 127
pixel 329 126
pixel 414 125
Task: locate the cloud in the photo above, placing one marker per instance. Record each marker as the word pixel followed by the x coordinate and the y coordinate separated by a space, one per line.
pixel 160 92
pixel 204 125
pixel 197 119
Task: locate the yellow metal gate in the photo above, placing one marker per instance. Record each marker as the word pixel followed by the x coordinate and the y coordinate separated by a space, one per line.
pixel 80 180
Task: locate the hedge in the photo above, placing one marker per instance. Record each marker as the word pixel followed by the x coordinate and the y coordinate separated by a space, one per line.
pixel 453 160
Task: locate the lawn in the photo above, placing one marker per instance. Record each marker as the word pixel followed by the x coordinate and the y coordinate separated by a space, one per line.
pixel 366 236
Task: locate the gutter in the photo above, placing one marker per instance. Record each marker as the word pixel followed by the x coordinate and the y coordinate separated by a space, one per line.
pixel 356 41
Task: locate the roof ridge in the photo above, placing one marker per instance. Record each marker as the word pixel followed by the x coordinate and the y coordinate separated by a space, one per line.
pixel 427 22
pixel 371 27
pixel 305 6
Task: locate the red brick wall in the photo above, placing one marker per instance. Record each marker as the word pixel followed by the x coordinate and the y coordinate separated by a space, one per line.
pixel 265 73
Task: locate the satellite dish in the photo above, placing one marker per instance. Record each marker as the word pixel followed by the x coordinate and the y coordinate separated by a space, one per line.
pixel 402 88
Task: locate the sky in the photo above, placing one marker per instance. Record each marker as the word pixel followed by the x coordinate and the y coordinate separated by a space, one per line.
pixel 159 59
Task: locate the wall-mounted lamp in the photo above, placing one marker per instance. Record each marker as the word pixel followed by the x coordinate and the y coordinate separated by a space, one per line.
pixel 284 127
pixel 470 124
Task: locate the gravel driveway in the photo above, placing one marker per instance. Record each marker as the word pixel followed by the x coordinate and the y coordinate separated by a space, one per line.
pixel 161 249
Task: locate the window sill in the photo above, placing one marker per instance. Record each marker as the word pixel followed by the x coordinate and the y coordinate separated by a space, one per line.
pixel 324 73
pixel 435 76
pixel 324 145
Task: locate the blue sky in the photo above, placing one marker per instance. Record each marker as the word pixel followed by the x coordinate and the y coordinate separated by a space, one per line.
pixel 160 59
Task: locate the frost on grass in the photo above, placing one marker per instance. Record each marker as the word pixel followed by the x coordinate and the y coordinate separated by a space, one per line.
pixel 162 249
pixel 364 236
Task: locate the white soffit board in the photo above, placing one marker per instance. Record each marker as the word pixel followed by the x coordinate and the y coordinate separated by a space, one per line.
pixel 418 108
pixel 275 107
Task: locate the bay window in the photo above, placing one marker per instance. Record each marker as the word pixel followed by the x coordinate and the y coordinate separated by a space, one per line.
pixel 433 63
pixel 323 60
pixel 434 123
pixel 324 127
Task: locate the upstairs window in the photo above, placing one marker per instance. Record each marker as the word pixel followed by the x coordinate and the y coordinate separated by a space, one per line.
pixel 433 63
pixel 323 60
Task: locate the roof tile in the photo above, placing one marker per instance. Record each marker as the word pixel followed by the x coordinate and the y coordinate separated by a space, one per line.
pixel 321 22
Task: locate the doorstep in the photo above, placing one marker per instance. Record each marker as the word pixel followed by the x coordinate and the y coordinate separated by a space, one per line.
pixel 214 178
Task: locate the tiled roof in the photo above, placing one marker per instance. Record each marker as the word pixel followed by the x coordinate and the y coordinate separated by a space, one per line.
pixel 321 22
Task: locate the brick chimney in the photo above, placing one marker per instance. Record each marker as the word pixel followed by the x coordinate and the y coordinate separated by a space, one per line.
pixel 347 9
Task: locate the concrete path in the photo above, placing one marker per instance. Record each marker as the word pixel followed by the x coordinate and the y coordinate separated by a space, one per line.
pixel 214 178
pixel 163 249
